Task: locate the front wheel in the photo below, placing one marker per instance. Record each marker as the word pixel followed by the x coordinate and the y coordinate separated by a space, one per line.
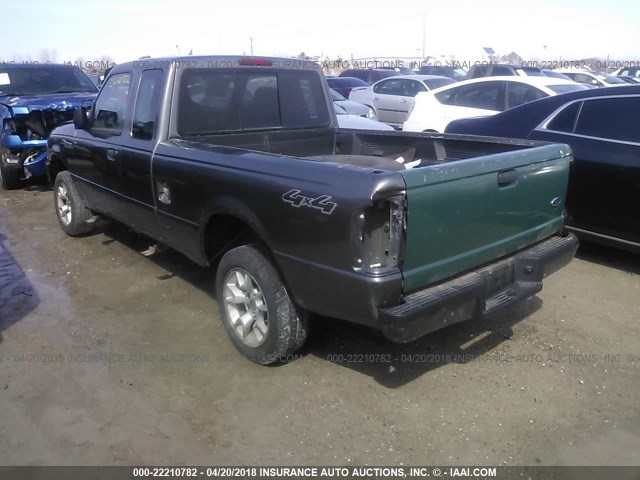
pixel 256 310
pixel 9 177
pixel 71 212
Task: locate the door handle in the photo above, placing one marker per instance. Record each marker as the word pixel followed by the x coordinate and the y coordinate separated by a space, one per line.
pixel 376 98
pixel 506 178
pixel 112 154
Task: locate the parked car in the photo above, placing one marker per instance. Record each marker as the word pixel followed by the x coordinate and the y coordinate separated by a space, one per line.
pixel 478 97
pixel 351 107
pixel 344 85
pixel 358 122
pixel 399 70
pixel 627 72
pixel 392 98
pixel 591 78
pixel 241 166
pixel 602 129
pixel 631 80
pixel 444 71
pixel 489 69
pixel 369 75
pixel 554 74
pixel 34 99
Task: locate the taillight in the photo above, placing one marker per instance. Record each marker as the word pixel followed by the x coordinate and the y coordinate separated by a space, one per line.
pixel 348 92
pixel 381 227
pixel 256 62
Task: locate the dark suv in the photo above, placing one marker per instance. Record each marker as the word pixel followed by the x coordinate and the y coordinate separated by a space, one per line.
pixel 486 69
pixel 444 71
pixel 369 75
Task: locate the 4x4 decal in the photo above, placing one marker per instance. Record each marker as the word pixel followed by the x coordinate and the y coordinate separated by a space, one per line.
pixel 322 203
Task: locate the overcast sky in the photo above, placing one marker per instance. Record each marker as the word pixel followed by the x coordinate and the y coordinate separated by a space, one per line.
pixel 129 29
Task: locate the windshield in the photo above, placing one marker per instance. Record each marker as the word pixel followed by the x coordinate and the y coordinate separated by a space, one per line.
pixel 459 73
pixel 438 82
pixel 568 88
pixel 43 80
pixel 608 78
pixel 530 72
pixel 335 96
pixel 339 110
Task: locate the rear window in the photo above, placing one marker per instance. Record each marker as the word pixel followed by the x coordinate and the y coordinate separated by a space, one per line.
pixel 530 72
pixel 434 83
pixel 567 88
pixel 346 82
pixel 215 100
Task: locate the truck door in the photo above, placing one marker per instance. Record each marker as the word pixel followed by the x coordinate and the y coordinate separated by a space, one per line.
pixel 95 158
pixel 136 153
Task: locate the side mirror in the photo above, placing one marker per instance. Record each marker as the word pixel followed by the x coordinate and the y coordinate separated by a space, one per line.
pixel 82 114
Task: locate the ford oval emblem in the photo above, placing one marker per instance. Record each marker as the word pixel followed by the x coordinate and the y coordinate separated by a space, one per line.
pixel 556 202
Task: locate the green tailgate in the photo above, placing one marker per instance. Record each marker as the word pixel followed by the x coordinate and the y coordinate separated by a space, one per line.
pixel 459 217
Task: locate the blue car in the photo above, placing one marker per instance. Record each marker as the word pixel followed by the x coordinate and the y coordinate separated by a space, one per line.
pixel 34 99
pixel 602 128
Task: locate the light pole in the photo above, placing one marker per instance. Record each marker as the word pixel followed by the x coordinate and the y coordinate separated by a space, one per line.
pixel 424 23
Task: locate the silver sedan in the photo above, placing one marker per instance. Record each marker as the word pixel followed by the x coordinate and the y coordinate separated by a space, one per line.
pixel 392 98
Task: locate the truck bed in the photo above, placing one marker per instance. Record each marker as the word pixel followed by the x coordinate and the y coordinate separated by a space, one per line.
pixel 370 149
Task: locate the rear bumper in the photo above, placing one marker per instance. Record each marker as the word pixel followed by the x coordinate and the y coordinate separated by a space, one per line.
pixel 485 291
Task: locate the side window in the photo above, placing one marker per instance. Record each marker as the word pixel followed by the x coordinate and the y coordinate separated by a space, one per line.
pixel 412 88
pixel 480 95
pixel 499 71
pixel 146 109
pixel 611 118
pixel 111 105
pixel 582 78
pixel 478 71
pixel 389 87
pixel 519 93
pixel 565 120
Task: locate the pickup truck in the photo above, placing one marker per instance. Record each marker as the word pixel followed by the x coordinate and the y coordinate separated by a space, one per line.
pixel 237 163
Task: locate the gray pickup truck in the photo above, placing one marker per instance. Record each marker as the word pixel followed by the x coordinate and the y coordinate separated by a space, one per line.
pixel 237 162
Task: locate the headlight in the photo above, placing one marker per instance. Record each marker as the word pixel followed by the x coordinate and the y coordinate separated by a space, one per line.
pixel 371 113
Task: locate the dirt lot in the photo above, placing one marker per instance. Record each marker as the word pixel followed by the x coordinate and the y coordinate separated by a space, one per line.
pixel 110 357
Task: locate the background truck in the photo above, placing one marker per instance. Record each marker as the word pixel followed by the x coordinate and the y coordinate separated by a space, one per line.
pixel 237 163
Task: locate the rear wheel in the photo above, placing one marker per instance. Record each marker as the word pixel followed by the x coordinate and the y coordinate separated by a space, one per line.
pixel 256 310
pixel 71 212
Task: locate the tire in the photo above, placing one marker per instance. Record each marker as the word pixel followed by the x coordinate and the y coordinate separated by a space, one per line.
pixel 9 177
pixel 274 327
pixel 70 210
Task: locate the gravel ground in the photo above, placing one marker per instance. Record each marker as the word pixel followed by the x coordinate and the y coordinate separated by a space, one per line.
pixel 110 357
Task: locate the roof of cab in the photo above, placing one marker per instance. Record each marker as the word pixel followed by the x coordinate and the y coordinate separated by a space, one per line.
pixel 218 61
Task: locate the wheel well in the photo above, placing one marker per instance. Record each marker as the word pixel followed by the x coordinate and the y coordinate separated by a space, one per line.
pixel 224 232
pixel 55 167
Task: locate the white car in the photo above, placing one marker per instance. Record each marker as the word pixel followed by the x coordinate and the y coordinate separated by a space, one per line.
pixel 392 98
pixel 357 122
pixel 480 97
pixel 591 78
